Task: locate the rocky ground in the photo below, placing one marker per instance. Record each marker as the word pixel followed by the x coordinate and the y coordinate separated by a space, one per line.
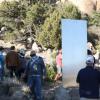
pixel 12 90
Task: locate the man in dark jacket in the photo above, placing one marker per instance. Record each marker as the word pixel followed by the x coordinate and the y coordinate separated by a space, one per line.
pixel 22 63
pixel 12 61
pixel 89 81
pixel 35 70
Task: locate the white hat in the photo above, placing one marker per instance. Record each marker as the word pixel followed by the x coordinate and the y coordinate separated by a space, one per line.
pixel 90 59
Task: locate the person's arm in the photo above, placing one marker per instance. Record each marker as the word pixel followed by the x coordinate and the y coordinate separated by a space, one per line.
pixel 26 70
pixel 78 77
pixel 98 75
pixel 6 60
pixel 43 68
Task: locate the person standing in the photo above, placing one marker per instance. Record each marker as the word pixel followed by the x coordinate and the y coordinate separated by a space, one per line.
pixel 22 63
pixel 89 81
pixel 12 61
pixel 35 71
pixel 2 62
pixel 59 65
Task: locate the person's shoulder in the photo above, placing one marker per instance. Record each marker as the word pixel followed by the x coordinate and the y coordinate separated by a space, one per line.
pixel 82 69
pixel 40 58
pixel 96 70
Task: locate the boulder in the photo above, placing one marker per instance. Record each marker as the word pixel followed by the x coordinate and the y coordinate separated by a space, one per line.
pixel 19 95
pixel 87 6
pixel 27 54
pixel 48 95
pixel 98 5
pixel 4 89
pixel 20 46
pixel 62 94
pixel 35 47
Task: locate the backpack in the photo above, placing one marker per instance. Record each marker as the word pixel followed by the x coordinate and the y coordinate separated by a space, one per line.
pixel 34 66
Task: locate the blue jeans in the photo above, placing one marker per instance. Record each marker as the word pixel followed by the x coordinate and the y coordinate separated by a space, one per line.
pixel 34 82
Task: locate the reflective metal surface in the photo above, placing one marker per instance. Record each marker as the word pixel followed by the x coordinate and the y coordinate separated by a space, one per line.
pixel 74 49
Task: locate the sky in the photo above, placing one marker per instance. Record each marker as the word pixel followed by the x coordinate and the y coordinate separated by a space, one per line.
pixel 74 48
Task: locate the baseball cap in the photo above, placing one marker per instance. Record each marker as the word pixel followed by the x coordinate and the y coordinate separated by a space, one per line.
pixel 90 59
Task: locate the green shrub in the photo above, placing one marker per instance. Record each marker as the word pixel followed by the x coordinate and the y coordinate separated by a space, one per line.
pixel 50 72
pixel 9 36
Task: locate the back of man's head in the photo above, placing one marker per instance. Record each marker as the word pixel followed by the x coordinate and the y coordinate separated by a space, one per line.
pixel 12 47
pixel 33 53
pixel 1 48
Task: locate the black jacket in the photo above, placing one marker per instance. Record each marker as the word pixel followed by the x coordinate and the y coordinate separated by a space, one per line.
pixel 89 80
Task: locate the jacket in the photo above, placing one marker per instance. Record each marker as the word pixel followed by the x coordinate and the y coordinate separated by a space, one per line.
pixel 12 59
pixel 37 63
pixel 89 81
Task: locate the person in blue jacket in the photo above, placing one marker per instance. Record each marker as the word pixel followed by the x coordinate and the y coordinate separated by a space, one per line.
pixel 89 81
pixel 35 70
pixel 2 61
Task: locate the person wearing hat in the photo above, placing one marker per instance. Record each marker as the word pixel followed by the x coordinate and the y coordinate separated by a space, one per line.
pixel 22 63
pixel 89 81
pixel 35 70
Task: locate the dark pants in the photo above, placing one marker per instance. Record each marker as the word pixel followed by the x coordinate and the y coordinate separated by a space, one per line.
pixel 34 82
pixel 12 71
pixel 1 73
pixel 19 72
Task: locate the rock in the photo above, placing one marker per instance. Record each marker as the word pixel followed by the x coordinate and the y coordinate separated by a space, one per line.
pixel 85 6
pixel 1 42
pixel 12 89
pixel 4 89
pixel 5 98
pixel 35 47
pixel 63 1
pixel 74 93
pixel 8 45
pixel 20 46
pixel 98 5
pixel 62 94
pixel 48 95
pixel 19 95
pixel 27 54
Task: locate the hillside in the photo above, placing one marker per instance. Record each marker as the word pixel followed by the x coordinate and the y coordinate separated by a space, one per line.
pixel 40 21
pixel 86 6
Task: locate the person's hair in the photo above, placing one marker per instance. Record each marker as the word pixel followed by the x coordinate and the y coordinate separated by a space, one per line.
pixel 33 53
pixel 12 48
pixel 89 52
pixel 1 48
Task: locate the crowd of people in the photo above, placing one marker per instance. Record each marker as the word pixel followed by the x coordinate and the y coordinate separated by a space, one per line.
pixel 32 69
